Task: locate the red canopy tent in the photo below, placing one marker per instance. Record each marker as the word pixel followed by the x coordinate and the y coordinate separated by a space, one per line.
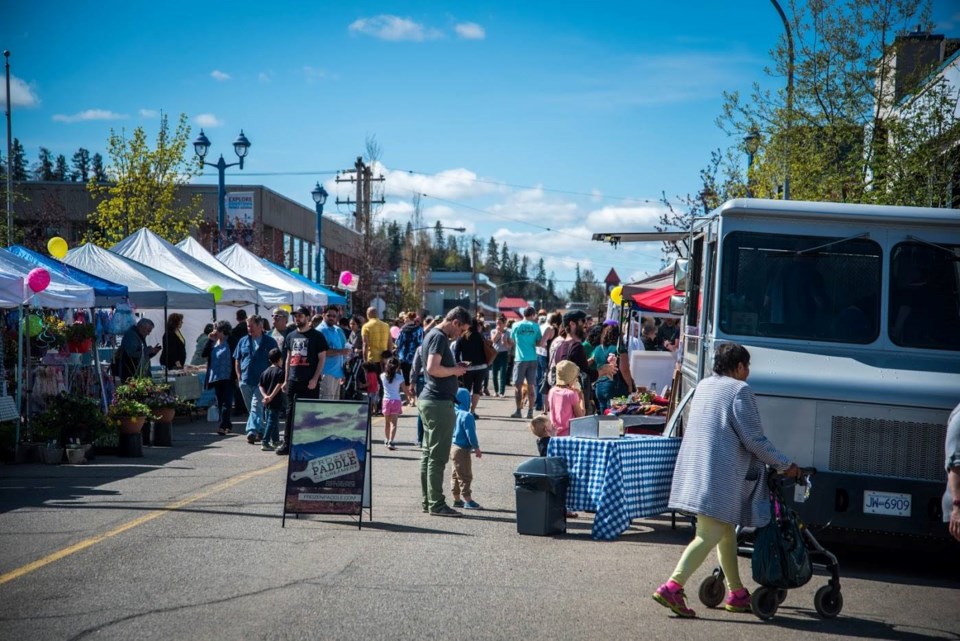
pixel 655 300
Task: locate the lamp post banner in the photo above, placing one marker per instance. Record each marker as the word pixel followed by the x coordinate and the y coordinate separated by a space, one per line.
pixel 329 467
pixel 240 209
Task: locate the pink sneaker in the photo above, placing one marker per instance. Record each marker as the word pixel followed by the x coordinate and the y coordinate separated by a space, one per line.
pixel 738 601
pixel 675 600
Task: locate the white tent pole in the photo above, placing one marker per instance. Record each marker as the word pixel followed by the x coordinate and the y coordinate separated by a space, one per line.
pixel 96 361
pixel 20 377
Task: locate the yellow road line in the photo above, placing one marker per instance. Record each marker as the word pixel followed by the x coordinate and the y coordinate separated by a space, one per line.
pixel 129 525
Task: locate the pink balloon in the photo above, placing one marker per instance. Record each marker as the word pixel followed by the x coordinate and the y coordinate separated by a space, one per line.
pixel 346 278
pixel 38 279
pixel 395 332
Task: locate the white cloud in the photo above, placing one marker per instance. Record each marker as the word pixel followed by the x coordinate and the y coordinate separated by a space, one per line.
pixel 219 76
pixel 470 31
pixel 149 113
pixel 448 184
pixel 90 114
pixel 21 94
pixel 534 206
pixel 208 120
pixel 393 29
pixel 640 217
pixel 313 74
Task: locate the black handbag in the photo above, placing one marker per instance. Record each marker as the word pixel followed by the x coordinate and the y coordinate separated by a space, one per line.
pixel 780 558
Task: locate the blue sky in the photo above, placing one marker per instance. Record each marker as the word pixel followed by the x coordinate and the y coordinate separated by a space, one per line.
pixel 536 122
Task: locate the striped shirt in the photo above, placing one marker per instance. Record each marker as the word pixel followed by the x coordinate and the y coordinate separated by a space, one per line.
pixel 720 469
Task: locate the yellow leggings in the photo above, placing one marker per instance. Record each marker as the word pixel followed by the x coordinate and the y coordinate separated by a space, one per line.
pixel 711 533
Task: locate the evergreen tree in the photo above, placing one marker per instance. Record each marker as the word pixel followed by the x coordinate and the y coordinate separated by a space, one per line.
pixel 541 274
pixel 577 292
pixel 81 165
pixel 43 170
pixel 60 171
pixel 395 243
pixel 19 162
pixel 491 262
pixel 97 169
pixel 504 263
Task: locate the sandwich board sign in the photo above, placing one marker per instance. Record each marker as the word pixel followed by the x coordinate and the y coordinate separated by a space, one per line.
pixel 328 471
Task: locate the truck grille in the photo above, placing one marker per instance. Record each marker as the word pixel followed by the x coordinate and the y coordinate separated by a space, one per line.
pixel 880 447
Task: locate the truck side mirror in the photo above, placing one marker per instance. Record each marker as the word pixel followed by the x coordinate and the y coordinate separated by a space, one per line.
pixel 678 304
pixel 681 271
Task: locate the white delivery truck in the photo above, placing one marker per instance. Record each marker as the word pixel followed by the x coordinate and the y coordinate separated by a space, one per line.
pixel 851 314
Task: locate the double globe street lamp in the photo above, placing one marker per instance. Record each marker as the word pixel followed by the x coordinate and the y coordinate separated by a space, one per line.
pixel 241 146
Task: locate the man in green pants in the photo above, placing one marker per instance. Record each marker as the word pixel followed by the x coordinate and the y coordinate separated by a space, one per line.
pixel 436 406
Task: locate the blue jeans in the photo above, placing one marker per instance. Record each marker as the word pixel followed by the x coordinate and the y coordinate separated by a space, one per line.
pixel 254 401
pixel 500 372
pixel 604 389
pixel 541 370
pixel 224 391
pixel 271 427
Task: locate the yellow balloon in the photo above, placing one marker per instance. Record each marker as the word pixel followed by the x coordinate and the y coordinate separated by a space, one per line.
pixel 616 294
pixel 57 247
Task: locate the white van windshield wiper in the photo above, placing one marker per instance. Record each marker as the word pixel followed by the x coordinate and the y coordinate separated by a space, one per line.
pixel 953 251
pixel 801 252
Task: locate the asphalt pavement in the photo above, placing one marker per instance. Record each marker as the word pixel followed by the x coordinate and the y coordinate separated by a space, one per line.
pixel 186 543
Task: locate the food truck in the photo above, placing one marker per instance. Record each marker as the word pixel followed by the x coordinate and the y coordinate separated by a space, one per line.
pixel 851 314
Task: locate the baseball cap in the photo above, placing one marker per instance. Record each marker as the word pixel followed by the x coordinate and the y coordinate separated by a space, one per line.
pixel 574 315
pixel 302 310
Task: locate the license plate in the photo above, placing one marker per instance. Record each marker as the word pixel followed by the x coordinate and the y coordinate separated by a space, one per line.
pixel 887 503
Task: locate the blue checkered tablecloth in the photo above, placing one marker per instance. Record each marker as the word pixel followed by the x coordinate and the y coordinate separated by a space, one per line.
pixel 619 479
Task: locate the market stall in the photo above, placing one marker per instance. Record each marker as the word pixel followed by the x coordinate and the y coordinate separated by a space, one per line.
pixel 259 270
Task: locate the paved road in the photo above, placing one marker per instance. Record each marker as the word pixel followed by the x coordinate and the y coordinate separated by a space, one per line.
pixel 186 543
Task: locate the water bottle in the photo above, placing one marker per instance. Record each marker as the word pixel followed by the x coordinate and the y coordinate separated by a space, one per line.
pixel 653 388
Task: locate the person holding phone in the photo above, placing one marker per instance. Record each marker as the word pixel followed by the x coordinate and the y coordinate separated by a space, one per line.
pixel 134 355
pixel 469 353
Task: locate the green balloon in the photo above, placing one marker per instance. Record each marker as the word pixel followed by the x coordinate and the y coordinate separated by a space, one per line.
pixel 33 325
pixel 295 270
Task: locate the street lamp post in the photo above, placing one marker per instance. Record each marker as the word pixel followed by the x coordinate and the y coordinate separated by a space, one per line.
pixel 751 142
pixel 790 58
pixel 240 147
pixel 319 197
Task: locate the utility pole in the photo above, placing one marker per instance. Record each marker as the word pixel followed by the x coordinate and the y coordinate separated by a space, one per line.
pixel 476 289
pixel 363 224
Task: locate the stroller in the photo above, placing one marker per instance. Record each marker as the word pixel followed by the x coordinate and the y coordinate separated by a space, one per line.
pixel 803 553
pixel 354 384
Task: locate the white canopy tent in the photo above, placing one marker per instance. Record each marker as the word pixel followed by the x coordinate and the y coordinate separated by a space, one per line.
pixel 242 260
pixel 147 287
pixel 146 247
pixel 269 294
pixel 62 291
pixel 11 290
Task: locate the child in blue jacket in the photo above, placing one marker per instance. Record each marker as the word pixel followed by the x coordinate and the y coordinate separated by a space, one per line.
pixel 464 441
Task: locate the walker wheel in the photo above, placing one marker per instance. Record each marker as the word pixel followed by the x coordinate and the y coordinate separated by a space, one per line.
pixel 711 591
pixel 781 596
pixel 764 603
pixel 828 601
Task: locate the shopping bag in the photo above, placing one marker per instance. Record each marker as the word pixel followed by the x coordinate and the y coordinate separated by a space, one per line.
pixel 213 414
pixel 489 352
pixel 780 558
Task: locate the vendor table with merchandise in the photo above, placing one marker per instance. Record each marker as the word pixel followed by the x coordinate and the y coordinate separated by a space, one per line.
pixel 618 479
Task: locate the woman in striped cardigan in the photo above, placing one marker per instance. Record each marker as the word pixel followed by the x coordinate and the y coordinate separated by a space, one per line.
pixel 720 476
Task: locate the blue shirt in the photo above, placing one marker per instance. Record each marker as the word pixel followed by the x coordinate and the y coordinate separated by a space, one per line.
pixel 251 355
pixel 336 339
pixel 465 428
pixel 221 365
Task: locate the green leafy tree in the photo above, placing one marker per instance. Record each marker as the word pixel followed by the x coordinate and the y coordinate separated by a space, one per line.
pixel 842 134
pixel 43 170
pixel 491 261
pixel 81 165
pixel 144 187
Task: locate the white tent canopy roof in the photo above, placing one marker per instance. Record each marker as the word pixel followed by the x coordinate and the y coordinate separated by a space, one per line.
pixel 11 290
pixel 146 247
pixel 242 260
pixel 62 291
pixel 269 295
pixel 148 287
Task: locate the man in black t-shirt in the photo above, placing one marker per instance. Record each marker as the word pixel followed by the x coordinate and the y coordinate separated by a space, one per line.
pixel 306 352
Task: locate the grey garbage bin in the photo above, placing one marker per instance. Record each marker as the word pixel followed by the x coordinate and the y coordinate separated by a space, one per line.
pixel 541 486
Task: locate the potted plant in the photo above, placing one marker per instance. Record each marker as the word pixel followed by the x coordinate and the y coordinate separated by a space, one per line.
pixel 79 337
pixel 164 403
pixel 46 430
pixel 129 414
pixel 157 396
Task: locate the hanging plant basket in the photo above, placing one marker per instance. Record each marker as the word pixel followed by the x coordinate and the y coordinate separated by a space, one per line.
pixel 80 346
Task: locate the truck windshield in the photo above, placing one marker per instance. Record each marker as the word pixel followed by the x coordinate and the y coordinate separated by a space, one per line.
pixel 925 296
pixel 804 287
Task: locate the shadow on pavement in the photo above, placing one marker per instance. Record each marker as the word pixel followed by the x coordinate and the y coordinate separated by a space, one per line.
pixel 33 485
